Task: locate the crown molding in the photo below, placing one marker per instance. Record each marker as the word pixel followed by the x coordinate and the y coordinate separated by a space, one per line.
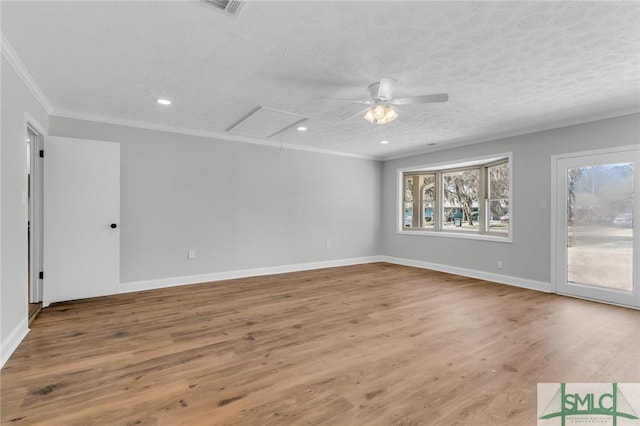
pixel 456 143
pixel 201 133
pixel 256 141
pixel 18 66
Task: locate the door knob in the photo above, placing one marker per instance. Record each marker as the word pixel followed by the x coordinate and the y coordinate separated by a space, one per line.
pixel 114 226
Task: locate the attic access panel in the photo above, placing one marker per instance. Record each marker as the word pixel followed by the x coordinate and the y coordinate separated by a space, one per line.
pixel 266 122
pixel 230 7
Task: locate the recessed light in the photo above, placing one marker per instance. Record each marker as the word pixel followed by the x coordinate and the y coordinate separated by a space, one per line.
pixel 384 142
pixel 163 101
pixel 302 129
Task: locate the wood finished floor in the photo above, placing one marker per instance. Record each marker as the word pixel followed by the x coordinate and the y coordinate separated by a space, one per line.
pixel 375 344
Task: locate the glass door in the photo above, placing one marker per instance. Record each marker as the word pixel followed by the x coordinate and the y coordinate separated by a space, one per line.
pixel 596 238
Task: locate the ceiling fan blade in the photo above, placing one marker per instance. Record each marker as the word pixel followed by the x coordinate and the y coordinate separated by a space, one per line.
pixel 386 88
pixel 424 99
pixel 355 101
pixel 360 113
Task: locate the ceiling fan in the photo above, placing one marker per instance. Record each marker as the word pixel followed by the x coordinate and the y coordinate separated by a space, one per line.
pixel 381 110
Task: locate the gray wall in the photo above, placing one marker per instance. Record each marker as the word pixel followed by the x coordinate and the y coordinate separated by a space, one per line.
pixel 238 205
pixel 17 102
pixel 528 256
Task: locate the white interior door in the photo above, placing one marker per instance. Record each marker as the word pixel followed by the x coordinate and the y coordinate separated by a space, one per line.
pixel 81 219
pixel 596 240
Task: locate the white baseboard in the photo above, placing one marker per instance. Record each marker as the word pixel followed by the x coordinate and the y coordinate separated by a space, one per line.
pixel 11 343
pixel 128 287
pixel 131 286
pixel 481 275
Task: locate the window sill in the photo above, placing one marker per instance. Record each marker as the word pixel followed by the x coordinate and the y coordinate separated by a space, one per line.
pixel 460 234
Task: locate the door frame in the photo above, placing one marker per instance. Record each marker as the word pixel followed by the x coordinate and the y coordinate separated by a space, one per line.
pixel 37 210
pixel 555 225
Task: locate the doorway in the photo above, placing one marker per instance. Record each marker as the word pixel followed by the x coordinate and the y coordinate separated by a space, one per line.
pixel 34 150
pixel 596 246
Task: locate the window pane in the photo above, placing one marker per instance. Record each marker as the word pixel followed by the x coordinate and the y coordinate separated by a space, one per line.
pixel 408 188
pixel 429 187
pixel 460 204
pixel 499 215
pixel 408 215
pixel 428 220
pixel 600 226
pixel 499 181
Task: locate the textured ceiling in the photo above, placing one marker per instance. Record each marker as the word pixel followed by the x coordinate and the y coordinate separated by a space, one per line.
pixel 509 67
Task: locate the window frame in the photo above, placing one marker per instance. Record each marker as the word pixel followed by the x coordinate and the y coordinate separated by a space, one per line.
pixel 419 201
pixel 484 231
pixel 488 198
pixel 440 177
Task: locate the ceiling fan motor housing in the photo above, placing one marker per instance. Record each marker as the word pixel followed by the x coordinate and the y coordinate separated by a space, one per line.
pixel 383 89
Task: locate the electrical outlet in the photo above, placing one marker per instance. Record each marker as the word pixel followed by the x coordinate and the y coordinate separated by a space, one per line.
pixel 499 264
pixel 191 254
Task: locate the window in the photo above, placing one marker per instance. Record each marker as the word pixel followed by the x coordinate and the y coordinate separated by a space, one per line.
pixel 461 189
pixel 467 198
pixel 497 201
pixel 419 196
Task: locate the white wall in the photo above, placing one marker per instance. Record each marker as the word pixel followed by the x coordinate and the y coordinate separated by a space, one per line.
pixel 238 205
pixel 527 258
pixel 17 103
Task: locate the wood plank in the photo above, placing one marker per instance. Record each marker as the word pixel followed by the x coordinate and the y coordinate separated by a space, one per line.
pixel 374 344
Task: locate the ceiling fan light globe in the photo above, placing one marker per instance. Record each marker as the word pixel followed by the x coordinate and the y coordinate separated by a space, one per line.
pixel 390 115
pixel 379 112
pixel 369 115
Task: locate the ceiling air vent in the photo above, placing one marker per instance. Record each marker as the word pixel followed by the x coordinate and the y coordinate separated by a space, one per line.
pixel 229 7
